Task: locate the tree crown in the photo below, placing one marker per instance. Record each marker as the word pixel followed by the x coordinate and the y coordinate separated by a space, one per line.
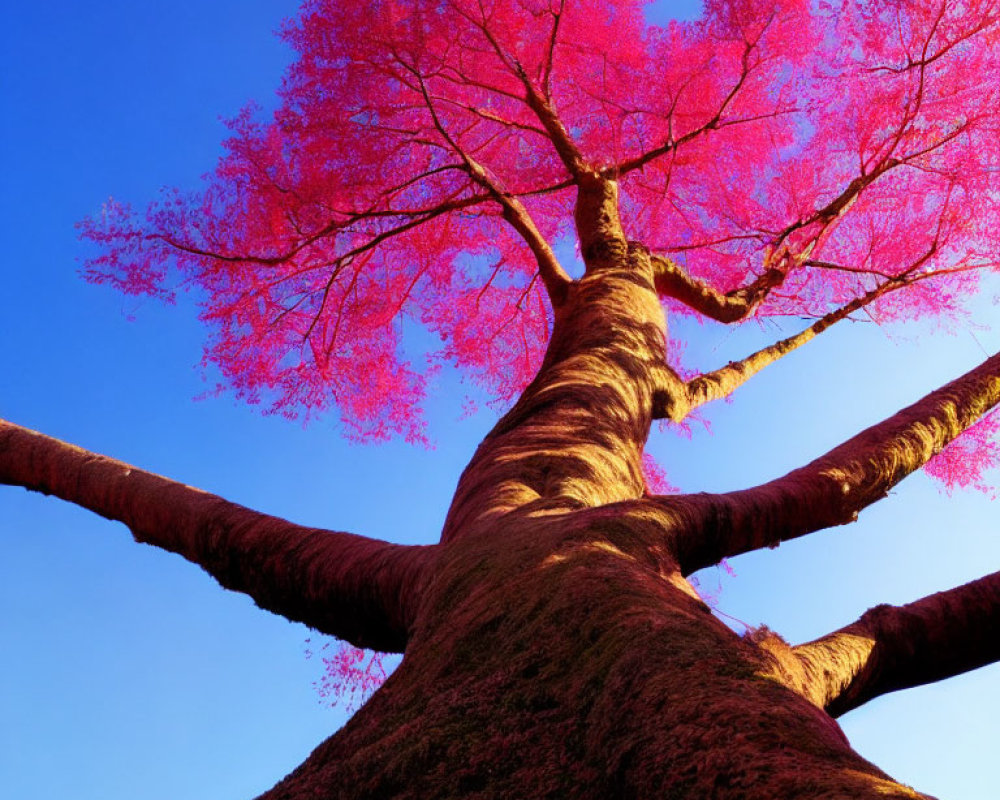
pixel 423 167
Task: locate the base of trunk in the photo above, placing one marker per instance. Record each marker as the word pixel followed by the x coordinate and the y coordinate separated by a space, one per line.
pixel 580 670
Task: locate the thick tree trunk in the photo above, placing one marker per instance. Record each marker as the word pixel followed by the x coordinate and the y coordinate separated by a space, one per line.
pixel 553 647
pixel 558 651
pixel 567 657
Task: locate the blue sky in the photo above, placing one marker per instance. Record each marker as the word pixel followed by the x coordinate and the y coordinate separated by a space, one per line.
pixel 128 673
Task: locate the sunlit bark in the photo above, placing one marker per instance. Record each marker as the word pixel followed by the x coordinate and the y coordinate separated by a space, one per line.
pixel 834 488
pixel 575 437
pixel 361 590
pixel 674 282
pixel 896 647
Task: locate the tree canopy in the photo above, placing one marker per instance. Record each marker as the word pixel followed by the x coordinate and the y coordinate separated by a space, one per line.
pixel 794 160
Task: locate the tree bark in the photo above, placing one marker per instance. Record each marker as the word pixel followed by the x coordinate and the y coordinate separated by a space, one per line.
pixel 897 647
pixel 834 488
pixel 358 589
pixel 563 655
pixel 559 651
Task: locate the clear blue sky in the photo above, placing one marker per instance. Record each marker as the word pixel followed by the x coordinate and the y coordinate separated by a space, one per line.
pixel 127 673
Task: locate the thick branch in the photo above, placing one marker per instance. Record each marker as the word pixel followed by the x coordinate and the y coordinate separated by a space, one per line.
pixel 679 401
pixel 539 101
pixel 597 217
pixel 352 587
pixel 672 281
pixel 675 404
pixel 835 487
pixel 554 277
pixel 567 149
pixel 898 647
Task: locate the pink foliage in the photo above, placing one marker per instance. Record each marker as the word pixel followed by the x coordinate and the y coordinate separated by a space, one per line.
pixel 964 462
pixel 350 675
pixel 656 477
pixel 346 216
pixel 711 594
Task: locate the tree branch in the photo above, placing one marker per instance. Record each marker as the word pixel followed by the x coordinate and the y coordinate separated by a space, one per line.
pixel 539 101
pixel 677 402
pixel 412 219
pixel 674 282
pixel 566 148
pixel 596 214
pixel 898 647
pixel 554 277
pixel 358 589
pixel 713 123
pixel 835 487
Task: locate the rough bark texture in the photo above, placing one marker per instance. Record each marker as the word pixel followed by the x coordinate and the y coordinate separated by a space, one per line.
pixel 892 648
pixel 553 647
pixel 348 586
pixel 834 488
pixel 575 662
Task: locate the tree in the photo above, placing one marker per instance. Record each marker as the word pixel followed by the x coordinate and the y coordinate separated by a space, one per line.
pixel 930 151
